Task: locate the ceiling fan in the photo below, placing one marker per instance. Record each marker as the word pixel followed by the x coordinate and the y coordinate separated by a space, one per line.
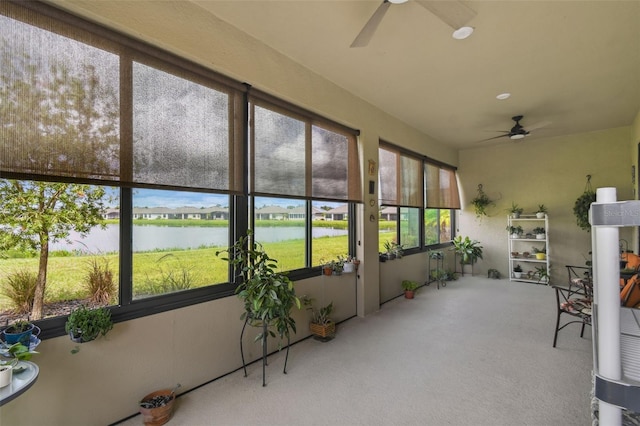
pixel 453 13
pixel 518 131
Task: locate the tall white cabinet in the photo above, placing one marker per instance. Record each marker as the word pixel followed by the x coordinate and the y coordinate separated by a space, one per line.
pixel 522 247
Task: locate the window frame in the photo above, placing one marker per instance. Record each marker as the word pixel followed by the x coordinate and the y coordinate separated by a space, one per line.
pixel 129 51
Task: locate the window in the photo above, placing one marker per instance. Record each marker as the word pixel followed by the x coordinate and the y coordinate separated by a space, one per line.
pixel 304 175
pixel 162 160
pixel 403 179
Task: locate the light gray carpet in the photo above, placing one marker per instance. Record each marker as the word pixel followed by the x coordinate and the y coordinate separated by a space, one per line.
pixel 477 352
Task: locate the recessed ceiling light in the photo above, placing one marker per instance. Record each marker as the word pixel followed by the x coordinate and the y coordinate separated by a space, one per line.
pixel 462 33
pixel 503 96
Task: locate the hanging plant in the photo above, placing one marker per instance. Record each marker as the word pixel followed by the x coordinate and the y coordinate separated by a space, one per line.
pixel 582 205
pixel 481 202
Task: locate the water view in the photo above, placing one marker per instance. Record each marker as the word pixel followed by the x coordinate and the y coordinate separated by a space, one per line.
pixel 153 237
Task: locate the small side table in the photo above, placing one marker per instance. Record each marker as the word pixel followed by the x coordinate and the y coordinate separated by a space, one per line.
pixel 20 382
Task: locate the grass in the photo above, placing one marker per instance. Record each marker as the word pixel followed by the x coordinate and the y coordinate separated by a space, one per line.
pixel 66 274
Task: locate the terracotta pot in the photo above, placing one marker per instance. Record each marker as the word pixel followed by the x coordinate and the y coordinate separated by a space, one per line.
pixel 409 294
pixel 327 270
pixel 159 415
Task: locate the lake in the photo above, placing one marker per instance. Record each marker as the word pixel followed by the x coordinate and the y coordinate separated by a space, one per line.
pixel 151 237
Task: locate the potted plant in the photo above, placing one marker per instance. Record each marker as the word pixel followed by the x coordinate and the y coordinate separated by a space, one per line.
pixel 543 274
pixel 389 249
pixel 542 210
pixel 517 271
pixel 541 254
pixel 583 204
pixel 469 250
pixel 539 232
pixel 515 210
pixel 86 324
pixel 321 325
pixel 268 295
pixel 338 265
pixel 515 231
pixel 157 407
pixel 20 332
pixel 480 203
pixel 410 287
pixel 14 353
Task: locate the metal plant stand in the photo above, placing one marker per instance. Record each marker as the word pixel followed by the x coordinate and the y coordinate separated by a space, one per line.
pixel 265 334
pixel 438 258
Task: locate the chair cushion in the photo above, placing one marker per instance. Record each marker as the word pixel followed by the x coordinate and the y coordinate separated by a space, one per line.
pixel 577 306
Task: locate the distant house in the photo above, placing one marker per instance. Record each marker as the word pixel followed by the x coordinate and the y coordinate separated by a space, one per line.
pixel 389 213
pixel 338 213
pixel 272 213
pixel 111 214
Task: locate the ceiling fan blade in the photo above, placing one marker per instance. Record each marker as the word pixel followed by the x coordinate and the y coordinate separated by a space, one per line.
pixel 371 26
pixel 538 125
pixel 453 13
pixel 496 137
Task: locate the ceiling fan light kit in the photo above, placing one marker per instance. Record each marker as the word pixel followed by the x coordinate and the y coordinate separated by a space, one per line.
pixel 462 33
pixel 453 13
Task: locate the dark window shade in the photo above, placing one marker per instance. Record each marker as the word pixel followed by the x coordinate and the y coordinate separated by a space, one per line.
pixel 181 131
pixel 401 178
pixel 294 155
pixel 59 102
pixel 81 106
pixel 442 187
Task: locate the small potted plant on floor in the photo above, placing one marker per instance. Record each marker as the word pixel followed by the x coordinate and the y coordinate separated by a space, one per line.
pixel 157 407
pixel 321 325
pixel 410 287
pixel 539 232
pixel 517 271
pixel 86 324
pixel 542 210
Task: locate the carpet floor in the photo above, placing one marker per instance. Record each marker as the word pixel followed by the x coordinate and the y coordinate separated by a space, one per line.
pixel 477 352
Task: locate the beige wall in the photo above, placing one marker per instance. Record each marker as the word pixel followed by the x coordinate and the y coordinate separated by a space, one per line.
pixel 542 171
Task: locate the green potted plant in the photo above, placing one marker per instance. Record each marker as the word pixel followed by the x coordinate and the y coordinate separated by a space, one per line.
pixel 14 354
pixel 517 271
pixel 543 274
pixel 469 250
pixel 321 324
pixel 583 204
pixel 410 287
pixel 541 254
pixel 515 210
pixel 86 324
pixel 542 210
pixel 338 265
pixel 480 203
pixel 539 232
pixel 515 231
pixel 268 295
pixel 20 332
pixel 389 247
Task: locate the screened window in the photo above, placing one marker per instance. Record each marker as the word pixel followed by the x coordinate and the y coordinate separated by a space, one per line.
pixel 409 183
pixel 304 173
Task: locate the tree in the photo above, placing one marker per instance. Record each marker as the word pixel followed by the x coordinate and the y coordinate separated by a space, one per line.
pixel 35 214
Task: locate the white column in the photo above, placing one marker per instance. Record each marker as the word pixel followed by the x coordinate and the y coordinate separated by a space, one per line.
pixel 607 301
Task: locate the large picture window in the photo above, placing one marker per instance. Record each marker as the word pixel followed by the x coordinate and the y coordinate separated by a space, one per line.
pixel 149 164
pixel 408 184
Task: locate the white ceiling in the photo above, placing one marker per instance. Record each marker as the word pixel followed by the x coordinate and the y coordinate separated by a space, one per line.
pixel 575 64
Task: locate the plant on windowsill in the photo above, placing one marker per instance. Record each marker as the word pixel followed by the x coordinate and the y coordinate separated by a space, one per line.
pixel 87 324
pixel 321 325
pixel 410 288
pixel 268 295
pixel 21 331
